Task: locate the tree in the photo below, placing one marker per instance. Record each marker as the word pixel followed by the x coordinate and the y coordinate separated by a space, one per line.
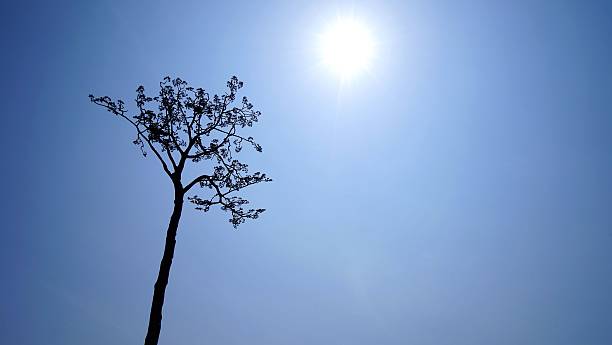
pixel 187 126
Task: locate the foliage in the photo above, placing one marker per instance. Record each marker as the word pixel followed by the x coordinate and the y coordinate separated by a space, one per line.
pixel 184 124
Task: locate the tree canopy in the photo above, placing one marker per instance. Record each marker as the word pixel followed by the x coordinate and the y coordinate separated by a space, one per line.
pixel 184 124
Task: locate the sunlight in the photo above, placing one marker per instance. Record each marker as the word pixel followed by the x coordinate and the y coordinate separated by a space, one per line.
pixel 347 48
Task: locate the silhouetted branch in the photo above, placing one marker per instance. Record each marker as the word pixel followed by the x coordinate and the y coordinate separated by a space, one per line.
pixel 119 110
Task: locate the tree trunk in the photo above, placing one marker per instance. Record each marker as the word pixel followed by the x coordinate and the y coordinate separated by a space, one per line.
pixel 159 291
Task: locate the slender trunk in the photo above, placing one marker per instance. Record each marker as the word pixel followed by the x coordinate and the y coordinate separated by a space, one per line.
pixel 159 291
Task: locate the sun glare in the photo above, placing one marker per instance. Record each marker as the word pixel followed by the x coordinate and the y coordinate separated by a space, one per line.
pixel 347 48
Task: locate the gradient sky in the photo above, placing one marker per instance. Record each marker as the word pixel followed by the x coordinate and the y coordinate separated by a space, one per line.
pixel 459 193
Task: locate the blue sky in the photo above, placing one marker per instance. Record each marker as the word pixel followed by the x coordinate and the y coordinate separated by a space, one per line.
pixel 458 193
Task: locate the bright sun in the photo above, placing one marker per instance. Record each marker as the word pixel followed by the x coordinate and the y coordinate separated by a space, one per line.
pixel 347 48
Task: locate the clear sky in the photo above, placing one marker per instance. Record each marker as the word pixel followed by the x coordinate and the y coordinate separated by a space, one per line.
pixel 457 193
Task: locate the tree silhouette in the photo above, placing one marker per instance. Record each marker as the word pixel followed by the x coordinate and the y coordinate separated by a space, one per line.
pixel 186 125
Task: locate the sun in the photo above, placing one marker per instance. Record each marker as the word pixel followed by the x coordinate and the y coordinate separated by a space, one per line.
pixel 347 48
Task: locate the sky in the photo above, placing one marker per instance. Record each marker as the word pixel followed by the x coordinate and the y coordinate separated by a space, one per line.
pixel 458 192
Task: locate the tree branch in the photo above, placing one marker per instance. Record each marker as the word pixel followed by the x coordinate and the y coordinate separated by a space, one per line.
pixel 197 180
pixel 119 111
